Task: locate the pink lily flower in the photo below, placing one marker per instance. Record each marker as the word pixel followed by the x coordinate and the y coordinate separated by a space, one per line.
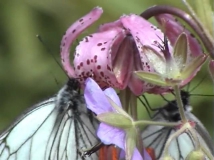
pixel 112 54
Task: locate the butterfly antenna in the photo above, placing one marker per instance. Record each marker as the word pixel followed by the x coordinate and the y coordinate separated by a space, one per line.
pixel 50 52
pixel 57 82
pixel 197 84
pixel 168 101
pixel 164 98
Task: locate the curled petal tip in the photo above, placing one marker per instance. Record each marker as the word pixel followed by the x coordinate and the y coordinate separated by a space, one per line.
pixel 98 9
pixel 72 33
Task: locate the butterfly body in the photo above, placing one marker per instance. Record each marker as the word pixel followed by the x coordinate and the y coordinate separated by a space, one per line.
pixel 56 129
pixel 155 137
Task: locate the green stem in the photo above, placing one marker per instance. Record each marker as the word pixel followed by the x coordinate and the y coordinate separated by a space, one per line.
pixel 207 153
pixel 173 136
pixel 133 106
pixel 125 98
pixel 156 123
pixel 180 103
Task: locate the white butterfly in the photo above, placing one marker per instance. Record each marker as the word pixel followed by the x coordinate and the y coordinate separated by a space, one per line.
pixel 155 137
pixel 56 129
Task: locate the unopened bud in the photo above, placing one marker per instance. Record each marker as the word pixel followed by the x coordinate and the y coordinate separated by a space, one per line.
pixel 168 157
pixel 196 155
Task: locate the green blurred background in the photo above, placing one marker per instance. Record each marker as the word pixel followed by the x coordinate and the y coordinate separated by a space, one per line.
pixel 28 73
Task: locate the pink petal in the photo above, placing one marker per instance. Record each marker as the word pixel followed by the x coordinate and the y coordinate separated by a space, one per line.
pixel 95 98
pixel 71 34
pixel 173 29
pixel 94 57
pixel 143 32
pixel 108 26
pixel 123 62
pixel 135 84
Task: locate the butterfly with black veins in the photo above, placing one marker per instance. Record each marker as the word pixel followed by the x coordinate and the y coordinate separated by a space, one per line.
pixel 155 137
pixel 59 128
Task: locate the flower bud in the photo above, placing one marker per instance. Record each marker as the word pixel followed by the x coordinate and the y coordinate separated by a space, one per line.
pixel 196 155
pixel 167 157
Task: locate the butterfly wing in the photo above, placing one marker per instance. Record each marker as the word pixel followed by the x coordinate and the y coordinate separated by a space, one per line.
pixel 202 131
pixel 155 137
pixel 56 129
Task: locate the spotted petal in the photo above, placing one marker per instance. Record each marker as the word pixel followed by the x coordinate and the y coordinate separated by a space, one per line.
pixel 93 57
pixel 71 34
pixel 172 29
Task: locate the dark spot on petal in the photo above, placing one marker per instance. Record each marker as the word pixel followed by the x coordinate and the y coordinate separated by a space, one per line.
pixel 88 61
pixel 109 68
pixel 86 39
pixel 98 67
pixel 90 35
pixel 99 44
pixel 102 74
pixel 63 60
pixel 92 60
pixel 81 64
pixel 81 20
pixel 103 49
pixel 78 67
pixel 88 74
pixel 95 57
pixel 104 42
pixel 74 31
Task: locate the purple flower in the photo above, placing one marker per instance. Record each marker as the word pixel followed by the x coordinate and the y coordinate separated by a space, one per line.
pixel 97 101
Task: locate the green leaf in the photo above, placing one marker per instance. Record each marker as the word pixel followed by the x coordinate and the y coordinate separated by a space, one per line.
pixel 155 59
pixel 181 49
pixel 205 14
pixel 193 66
pixel 116 120
pixel 152 78
pixel 131 137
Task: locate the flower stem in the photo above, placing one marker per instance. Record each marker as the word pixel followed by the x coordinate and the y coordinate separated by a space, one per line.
pixel 180 103
pixel 163 9
pixel 173 136
pixel 207 153
pixel 133 106
pixel 125 98
pixel 166 124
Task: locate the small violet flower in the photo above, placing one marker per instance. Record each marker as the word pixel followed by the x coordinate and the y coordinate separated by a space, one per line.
pixel 119 129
